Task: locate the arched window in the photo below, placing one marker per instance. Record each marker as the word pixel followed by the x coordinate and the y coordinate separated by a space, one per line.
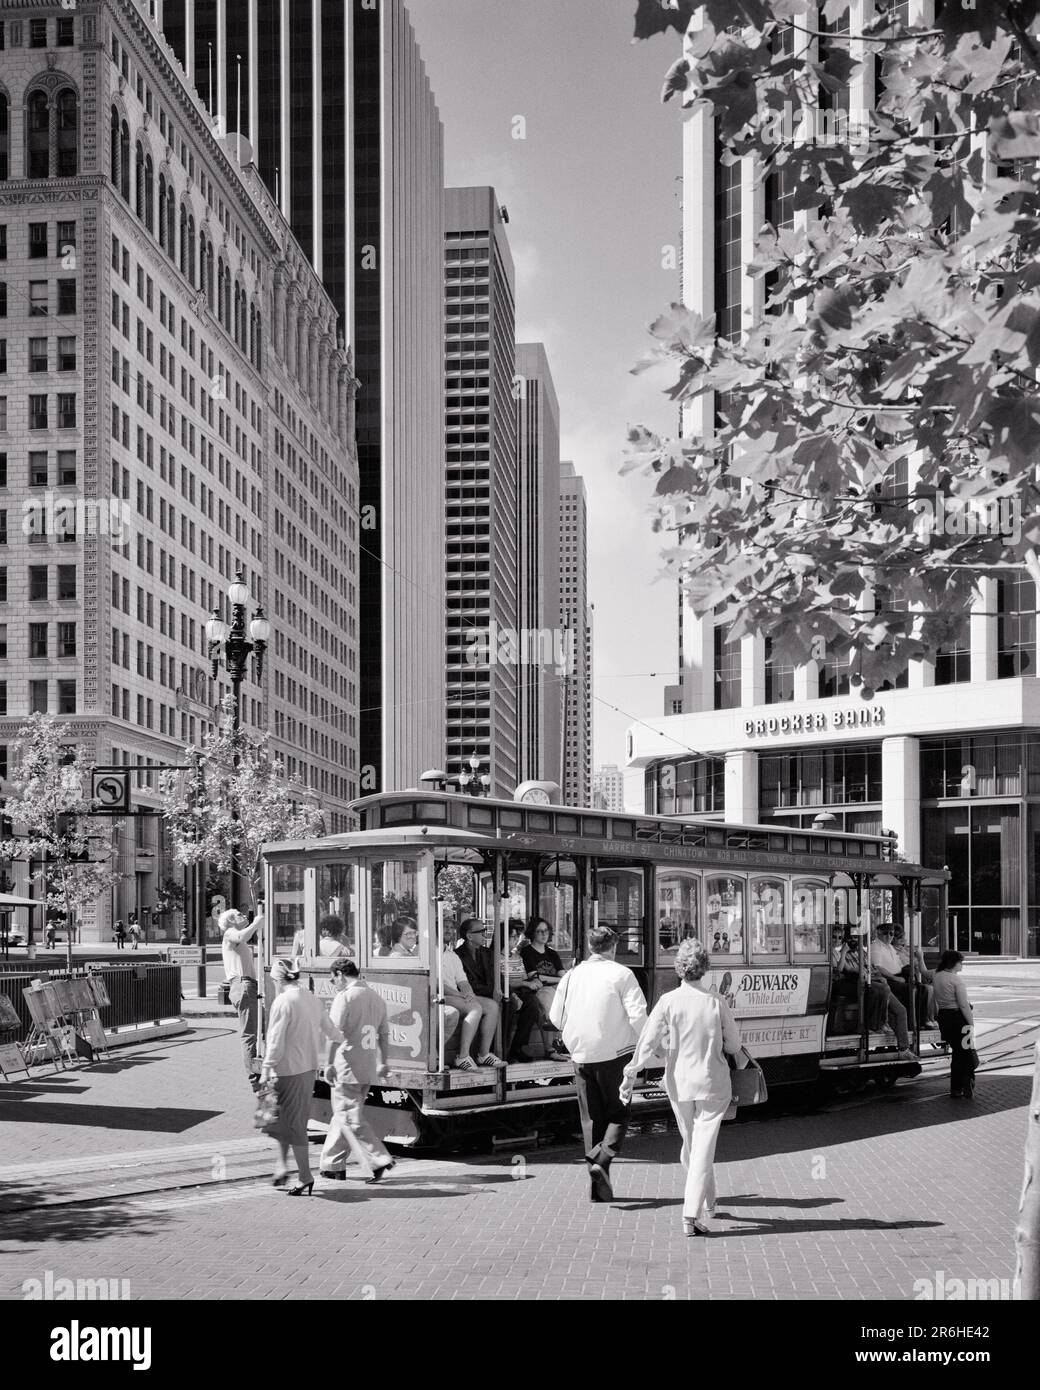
pixel 259 337
pixel 5 136
pixel 68 135
pixel 149 193
pixel 220 292
pixel 190 272
pixel 139 180
pixel 183 257
pixel 38 137
pixel 171 223
pixel 162 211
pixel 238 315
pixel 113 147
pixel 252 334
pixel 124 160
pixel 209 273
pixel 227 298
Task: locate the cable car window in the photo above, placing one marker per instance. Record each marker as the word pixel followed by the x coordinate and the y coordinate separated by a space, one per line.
pixel 286 911
pixel 622 829
pixel 724 922
pixel 678 910
pixel 538 820
pixel 593 825
pixel 567 825
pixel 401 814
pixel 397 940
pixel 871 849
pixel 716 837
pixel 836 846
pixel 809 915
pixel 511 820
pixel 432 810
pixel 799 844
pixel 480 815
pixel 337 909
pixel 557 903
pixel 768 917
pixel 778 842
pixel 621 907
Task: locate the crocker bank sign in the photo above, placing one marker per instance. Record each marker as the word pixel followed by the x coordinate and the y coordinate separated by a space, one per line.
pixel 816 723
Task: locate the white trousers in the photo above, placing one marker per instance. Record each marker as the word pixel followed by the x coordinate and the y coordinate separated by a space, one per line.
pixel 699 1122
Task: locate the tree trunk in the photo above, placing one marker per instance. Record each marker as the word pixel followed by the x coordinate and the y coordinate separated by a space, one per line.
pixel 1027 1236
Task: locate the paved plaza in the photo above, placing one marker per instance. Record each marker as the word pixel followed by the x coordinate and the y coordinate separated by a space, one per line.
pixel 145 1168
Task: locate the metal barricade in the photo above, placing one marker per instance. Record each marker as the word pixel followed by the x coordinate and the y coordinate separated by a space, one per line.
pixel 138 993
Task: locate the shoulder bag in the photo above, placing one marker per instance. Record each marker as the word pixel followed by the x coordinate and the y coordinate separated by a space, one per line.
pixel 748 1082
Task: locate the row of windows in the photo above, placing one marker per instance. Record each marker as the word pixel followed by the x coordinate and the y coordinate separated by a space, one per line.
pixel 38 33
pixel 38 304
pixel 39 355
pixel 40 583
pixel 40 415
pixel 39 692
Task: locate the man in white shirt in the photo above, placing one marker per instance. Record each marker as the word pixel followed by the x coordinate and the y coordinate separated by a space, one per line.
pixel 600 1010
pixel 887 963
pixel 354 1065
pixel 240 970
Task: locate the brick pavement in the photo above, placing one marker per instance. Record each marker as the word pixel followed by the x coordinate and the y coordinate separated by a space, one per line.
pixel 853 1203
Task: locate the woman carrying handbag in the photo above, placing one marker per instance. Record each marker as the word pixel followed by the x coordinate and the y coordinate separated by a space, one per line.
pixel 693 1029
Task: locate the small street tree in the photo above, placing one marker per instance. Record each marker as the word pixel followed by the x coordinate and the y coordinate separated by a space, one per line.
pixel 49 802
pixel 231 799
pixel 897 359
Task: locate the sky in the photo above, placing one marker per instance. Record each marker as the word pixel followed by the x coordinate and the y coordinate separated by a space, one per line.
pixel 593 194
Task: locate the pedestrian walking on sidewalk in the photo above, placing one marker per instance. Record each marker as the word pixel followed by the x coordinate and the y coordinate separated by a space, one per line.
pixel 293 1055
pixel 355 1063
pixel 119 932
pixel 135 932
pixel 956 1024
pixel 240 969
pixel 693 1028
pixel 600 1010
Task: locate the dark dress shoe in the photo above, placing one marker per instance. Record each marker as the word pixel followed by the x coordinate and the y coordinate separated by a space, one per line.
pixel 601 1188
pixel 334 1176
pixel 379 1173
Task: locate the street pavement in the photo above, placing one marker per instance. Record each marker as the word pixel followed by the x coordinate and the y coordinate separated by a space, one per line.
pixel 144 1167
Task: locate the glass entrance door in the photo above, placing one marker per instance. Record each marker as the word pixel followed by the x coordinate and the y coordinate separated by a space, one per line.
pixel 981 846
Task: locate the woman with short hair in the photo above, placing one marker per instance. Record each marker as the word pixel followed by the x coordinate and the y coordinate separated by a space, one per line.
pixel 955 1024
pixel 298 1023
pixel 693 1028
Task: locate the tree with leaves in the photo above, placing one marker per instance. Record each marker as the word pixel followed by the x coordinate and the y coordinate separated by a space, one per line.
pixel 232 798
pixel 897 358
pixel 49 802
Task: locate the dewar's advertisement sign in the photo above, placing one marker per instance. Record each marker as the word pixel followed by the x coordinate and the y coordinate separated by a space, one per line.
pixel 754 992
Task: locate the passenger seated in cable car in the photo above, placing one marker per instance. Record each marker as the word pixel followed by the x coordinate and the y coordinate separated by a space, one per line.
pixel 882 1005
pixel 475 1008
pixel 331 930
pixel 404 937
pixel 526 1012
pixel 925 999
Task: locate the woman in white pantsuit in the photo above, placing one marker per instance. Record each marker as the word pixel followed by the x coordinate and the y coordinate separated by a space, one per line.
pixel 692 1028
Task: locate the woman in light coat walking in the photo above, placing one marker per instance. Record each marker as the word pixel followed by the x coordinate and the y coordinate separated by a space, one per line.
pixel 692 1028
pixel 293 1053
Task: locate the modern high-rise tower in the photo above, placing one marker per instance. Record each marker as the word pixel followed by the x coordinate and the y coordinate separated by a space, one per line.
pixel 481 456
pixel 334 101
pixel 540 680
pixel 575 616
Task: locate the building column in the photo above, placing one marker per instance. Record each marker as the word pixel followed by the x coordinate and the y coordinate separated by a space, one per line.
pixel 901 793
pixel 277 311
pixel 741 786
pixel 807 681
pixel 984 631
pixel 323 379
pixel 698 675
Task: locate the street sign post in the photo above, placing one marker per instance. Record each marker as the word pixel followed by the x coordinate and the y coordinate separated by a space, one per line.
pixel 186 955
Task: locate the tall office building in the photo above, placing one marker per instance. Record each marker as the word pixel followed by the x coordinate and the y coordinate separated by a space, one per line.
pixel 333 97
pixel 481 457
pixel 608 788
pixel 168 363
pixel 541 678
pixel 575 617
pixel 946 756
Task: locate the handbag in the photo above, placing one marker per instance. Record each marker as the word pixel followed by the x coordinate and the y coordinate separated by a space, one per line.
pixel 749 1083
pixel 265 1117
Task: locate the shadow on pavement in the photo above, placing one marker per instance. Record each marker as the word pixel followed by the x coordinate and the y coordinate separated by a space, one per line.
pixel 892 1112
pixel 769 1225
pixel 153 1119
pixel 34 1222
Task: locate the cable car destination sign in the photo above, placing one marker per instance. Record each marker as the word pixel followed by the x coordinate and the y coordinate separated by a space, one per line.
pixel 816 722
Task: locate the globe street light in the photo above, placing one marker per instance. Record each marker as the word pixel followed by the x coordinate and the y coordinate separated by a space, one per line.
pixel 233 646
pixel 472 781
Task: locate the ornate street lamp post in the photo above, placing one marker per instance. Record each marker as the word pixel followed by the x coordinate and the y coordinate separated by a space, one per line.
pixel 472 781
pixel 233 646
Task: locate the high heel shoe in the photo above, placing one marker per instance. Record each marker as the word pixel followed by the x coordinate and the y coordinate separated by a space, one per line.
pixel 693 1228
pixel 280 1179
pixel 303 1189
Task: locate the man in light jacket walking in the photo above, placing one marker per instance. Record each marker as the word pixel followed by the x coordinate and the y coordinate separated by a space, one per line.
pixel 601 1011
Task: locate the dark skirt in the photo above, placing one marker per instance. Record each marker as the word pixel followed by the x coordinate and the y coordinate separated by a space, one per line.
pixel 956 1031
pixel 294 1107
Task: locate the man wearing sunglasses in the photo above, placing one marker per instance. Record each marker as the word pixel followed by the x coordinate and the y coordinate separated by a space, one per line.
pixel 478 963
